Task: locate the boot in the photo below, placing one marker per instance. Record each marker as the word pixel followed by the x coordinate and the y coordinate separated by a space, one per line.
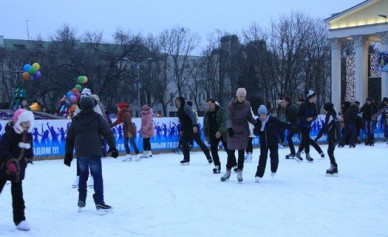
pixel 309 158
pixel 332 171
pixel 185 162
pixel 217 169
pixel 226 176
pixel 298 157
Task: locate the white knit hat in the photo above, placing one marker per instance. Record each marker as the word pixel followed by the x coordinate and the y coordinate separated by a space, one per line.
pixel 22 115
pixel 86 92
pixel 241 92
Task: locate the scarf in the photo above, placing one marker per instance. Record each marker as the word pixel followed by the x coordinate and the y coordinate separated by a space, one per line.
pixel 263 123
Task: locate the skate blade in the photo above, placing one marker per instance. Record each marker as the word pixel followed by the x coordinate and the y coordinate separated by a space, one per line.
pixel 103 212
pixel 298 160
pixel 331 175
pixel 75 186
pixel 188 163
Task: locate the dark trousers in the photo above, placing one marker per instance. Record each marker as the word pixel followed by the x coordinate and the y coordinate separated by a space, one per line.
pixel 330 152
pixel 146 144
pixel 94 164
pixel 104 144
pixel 313 144
pixel 305 143
pixel 133 144
pixel 369 130
pixel 250 146
pixel 232 160
pixel 186 138
pixel 17 200
pixel 350 129
pixel 291 133
pixel 282 135
pixel 274 155
pixel 214 149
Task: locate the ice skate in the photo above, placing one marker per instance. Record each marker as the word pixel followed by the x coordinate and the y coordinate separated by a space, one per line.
pixel 290 156
pixel 217 169
pixel 103 209
pixel 332 171
pixel 257 179
pixel 226 176
pixel 137 157
pixel 185 162
pixel 322 155
pixel 81 205
pixel 309 158
pixel 239 176
pixel 298 157
pixel 127 158
pixel 23 225
pixel 76 181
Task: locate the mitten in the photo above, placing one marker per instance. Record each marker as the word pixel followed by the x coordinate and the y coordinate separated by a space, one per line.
pixel 68 159
pixel 115 152
pixel 230 132
pixel 12 169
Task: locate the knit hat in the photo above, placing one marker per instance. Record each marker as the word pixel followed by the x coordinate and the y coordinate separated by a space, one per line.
pixel 86 92
pixel 262 110
pixel 123 105
pixel 182 100
pixel 241 92
pixel 22 115
pixel 328 106
pixel 310 93
pixel 87 102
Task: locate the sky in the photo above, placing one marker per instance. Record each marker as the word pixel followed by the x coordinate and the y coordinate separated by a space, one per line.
pixel 45 17
pixel 159 197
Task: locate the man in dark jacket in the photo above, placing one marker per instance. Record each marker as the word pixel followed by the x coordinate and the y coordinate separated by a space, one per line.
pixel 368 110
pixel 291 118
pixel 84 134
pixel 189 130
pixel 349 119
pixel 214 127
pixel 267 128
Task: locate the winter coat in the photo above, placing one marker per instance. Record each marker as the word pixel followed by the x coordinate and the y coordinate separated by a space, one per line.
pixel 305 111
pixel 147 125
pixel 350 115
pixel 331 127
pixel 85 133
pixel 269 137
pixel 187 117
pixel 238 116
pixel 126 119
pixel 9 147
pixel 368 110
pixel 291 113
pixel 220 114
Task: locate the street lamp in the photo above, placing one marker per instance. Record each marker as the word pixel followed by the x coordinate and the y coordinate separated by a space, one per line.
pixel 138 78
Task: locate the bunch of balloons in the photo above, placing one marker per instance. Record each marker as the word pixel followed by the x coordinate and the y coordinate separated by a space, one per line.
pixel 31 72
pixel 69 101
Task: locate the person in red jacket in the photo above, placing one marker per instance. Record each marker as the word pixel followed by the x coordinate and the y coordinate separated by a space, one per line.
pixel 129 130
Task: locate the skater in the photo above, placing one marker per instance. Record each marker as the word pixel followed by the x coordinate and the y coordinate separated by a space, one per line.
pixel 349 119
pixel 147 130
pixel 214 127
pixel 249 150
pixel 238 116
pixel 332 129
pixel 307 113
pixel 84 133
pixel 368 110
pixel 189 130
pixel 15 152
pixel 267 127
pixel 291 111
pixel 124 117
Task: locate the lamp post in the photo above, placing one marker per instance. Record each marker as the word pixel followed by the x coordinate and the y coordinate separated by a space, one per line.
pixel 138 78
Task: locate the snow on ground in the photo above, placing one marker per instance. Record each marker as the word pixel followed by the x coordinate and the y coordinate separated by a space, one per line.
pixel 159 197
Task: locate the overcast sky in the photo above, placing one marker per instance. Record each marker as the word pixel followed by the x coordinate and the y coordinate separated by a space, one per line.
pixel 45 17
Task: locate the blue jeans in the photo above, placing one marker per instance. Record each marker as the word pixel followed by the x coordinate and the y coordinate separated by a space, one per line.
pixel 133 144
pixel 94 163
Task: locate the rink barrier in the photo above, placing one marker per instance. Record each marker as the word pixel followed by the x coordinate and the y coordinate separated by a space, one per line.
pixel 49 135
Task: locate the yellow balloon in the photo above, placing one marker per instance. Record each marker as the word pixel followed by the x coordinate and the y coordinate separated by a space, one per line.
pixel 85 79
pixel 36 66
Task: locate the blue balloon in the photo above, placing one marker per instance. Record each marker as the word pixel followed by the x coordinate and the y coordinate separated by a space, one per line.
pixel 26 67
pixel 69 94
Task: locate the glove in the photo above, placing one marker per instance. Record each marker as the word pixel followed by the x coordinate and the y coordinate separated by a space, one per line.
pixel 68 159
pixel 230 132
pixel 12 168
pixel 114 151
pixel 195 130
pixel 129 135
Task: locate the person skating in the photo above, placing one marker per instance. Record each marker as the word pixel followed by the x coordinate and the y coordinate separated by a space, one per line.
pixel 85 135
pixel 214 128
pixel 332 129
pixel 238 115
pixel 349 118
pixel 368 110
pixel 16 150
pixel 267 128
pixel 129 130
pixel 147 130
pixel 307 113
pixel 189 130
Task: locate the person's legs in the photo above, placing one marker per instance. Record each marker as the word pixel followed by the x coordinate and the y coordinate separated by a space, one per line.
pixel 262 161
pixel 291 133
pixel 17 202
pixel 126 146
pixel 83 163
pixel 214 150
pixel 196 137
pixel 133 144
pixel 240 161
pixel 274 155
pixel 96 171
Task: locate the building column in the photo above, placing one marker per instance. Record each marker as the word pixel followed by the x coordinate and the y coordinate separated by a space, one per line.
pixel 335 45
pixel 361 71
pixel 384 75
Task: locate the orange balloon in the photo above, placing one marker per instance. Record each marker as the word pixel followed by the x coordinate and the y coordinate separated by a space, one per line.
pixel 26 76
